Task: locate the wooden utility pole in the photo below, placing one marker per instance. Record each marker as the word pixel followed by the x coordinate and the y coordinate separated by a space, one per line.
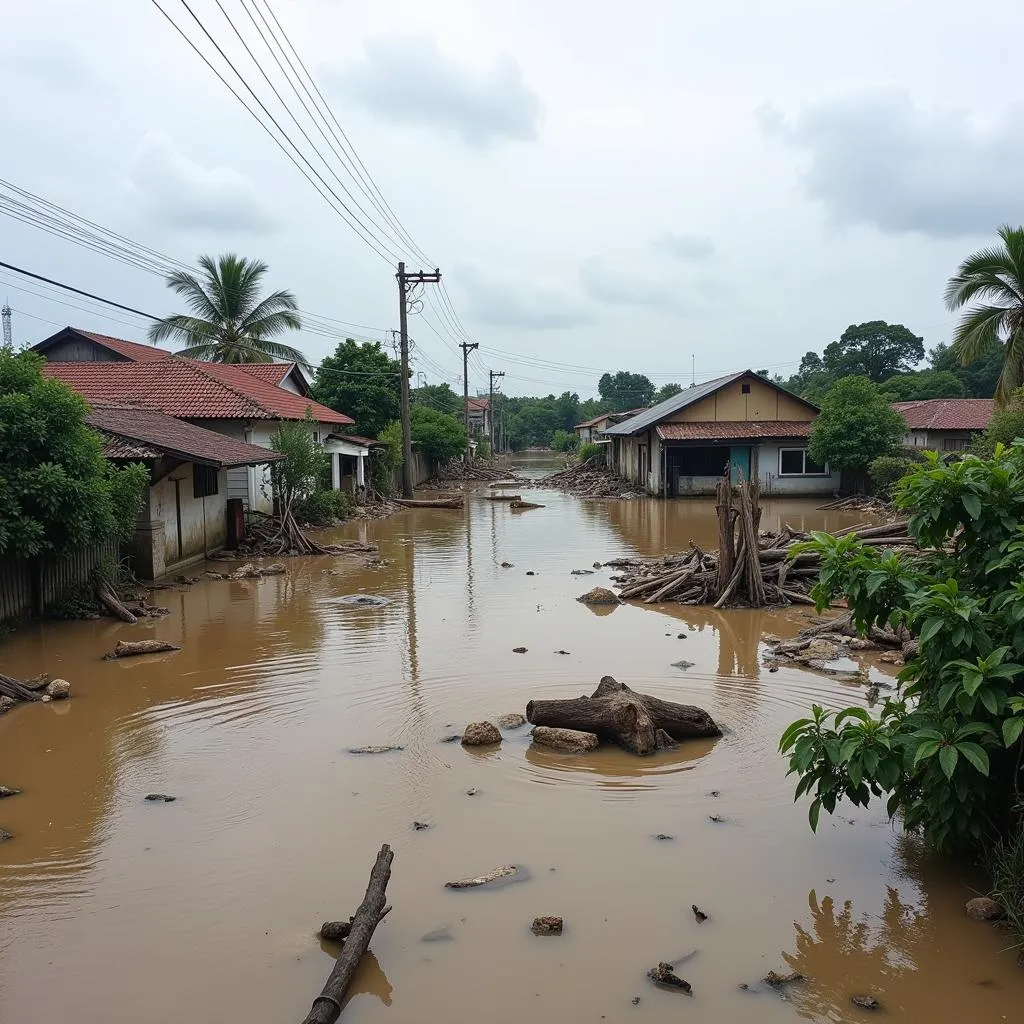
pixel 490 406
pixel 404 281
pixel 467 347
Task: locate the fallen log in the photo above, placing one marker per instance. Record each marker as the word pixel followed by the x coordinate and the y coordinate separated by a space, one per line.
pixel 106 596
pixel 429 502
pixel 326 1007
pixel 640 723
pixel 17 690
pixel 130 648
pixel 503 497
pixel 522 506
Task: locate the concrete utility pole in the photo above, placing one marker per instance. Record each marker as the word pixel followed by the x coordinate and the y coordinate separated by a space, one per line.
pixel 467 347
pixel 490 408
pixel 5 315
pixel 404 281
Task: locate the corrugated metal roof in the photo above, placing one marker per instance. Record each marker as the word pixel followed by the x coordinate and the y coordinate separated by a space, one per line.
pixel 644 420
pixel 947 413
pixel 733 430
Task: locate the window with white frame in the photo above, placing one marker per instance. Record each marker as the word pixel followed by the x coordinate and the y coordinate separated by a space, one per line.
pixel 797 462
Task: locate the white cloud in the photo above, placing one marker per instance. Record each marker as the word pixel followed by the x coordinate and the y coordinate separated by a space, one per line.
pixel 876 158
pixel 502 302
pixel 686 248
pixel 406 79
pixel 623 288
pixel 181 194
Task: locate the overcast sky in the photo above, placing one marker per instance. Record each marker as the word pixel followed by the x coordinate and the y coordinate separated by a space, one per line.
pixel 603 186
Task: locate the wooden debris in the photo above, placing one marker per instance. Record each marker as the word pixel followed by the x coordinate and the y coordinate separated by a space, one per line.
pixel 699 914
pixel 504 497
pixel 505 871
pixel 6 791
pixel 523 506
pixel 636 721
pixel 664 975
pixel 775 979
pixel 429 502
pixel 106 596
pixel 474 469
pixel 160 798
pixel 327 1006
pixel 130 648
pixel 590 479
pixel 373 749
pixel 17 690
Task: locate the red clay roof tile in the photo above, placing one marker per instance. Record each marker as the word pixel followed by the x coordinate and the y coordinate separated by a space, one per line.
pixel 733 430
pixel 947 413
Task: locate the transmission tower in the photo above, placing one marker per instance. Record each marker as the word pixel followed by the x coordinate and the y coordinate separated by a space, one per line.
pixel 5 315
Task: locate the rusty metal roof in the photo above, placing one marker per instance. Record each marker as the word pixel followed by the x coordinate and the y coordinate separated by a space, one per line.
pixel 734 430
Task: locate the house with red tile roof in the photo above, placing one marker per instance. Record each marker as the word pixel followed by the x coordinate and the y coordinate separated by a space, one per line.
pixel 184 517
pixel 242 401
pixel 742 423
pixel 944 424
pixel 591 430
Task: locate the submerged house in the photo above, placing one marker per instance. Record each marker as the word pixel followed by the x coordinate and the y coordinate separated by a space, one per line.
pixel 741 422
pixel 592 430
pixel 944 424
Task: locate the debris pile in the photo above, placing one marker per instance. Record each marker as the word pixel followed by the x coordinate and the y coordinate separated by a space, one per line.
pixel 751 568
pixel 38 688
pixel 590 479
pixel 475 469
pixel 858 503
pixel 248 572
pixel 826 640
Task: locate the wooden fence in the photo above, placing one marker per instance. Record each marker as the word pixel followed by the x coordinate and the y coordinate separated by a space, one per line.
pixel 31 586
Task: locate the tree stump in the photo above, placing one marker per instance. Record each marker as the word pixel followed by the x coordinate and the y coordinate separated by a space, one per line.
pixel 639 723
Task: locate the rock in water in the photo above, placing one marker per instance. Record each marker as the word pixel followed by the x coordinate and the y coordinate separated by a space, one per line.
pixel 5 835
pixel 420 825
pixel 480 734
pixel 8 791
pixel 58 689
pixel 983 909
pixel 6 703
pixel 865 1002
pixel 573 741
pixel 373 749
pixel 684 664
pixel 519 650
pixel 698 914
pixel 546 926
pixel 599 595
pixel 775 979
pixel 665 976
pixel 825 650
pixel 160 798
pixel 506 871
pixel 512 721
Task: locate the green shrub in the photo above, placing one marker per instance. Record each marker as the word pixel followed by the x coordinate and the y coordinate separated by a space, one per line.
pixel 590 450
pixel 1006 867
pixel 886 471
pixel 564 441
pixel 1006 426
pixel 321 508
pixel 483 448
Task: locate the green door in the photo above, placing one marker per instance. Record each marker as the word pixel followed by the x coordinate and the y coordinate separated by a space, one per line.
pixel 739 462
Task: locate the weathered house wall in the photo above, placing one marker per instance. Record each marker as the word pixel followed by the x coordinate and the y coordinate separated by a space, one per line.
pixel 192 527
pixel 763 402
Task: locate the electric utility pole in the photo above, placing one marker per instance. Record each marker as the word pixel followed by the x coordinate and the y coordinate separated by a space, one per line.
pixel 490 405
pixel 467 347
pixel 5 315
pixel 404 281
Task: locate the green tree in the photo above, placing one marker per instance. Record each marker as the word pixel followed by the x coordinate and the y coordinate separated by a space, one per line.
pixel 993 279
pixel 876 350
pixel 362 381
pixel 979 377
pixel 384 462
pixel 228 322
pixel 302 470
pixel 57 491
pixel 623 391
pixel 920 385
pixel 437 434
pixel 564 441
pixel 438 396
pixel 665 392
pixel 1006 426
pixel 856 425
pixel 947 748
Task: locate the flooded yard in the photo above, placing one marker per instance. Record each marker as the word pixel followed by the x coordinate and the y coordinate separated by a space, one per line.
pixel 115 910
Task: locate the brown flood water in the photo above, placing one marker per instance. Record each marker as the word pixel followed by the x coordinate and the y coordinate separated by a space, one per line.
pixel 116 911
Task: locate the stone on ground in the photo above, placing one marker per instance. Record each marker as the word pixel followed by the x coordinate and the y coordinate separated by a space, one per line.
pixel 512 721
pixel 58 689
pixel 573 741
pixel 981 908
pixel 599 595
pixel 480 734
pixel 546 926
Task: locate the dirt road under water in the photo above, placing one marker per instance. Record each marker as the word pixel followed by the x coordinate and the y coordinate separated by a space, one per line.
pixel 114 910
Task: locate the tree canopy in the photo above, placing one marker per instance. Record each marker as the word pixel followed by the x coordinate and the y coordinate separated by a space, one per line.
pixel 57 491
pixel 438 396
pixel 666 391
pixel 228 321
pixel 362 381
pixel 437 434
pixel 993 280
pixel 622 391
pixel 924 384
pixel 875 350
pixel 979 377
pixel 856 424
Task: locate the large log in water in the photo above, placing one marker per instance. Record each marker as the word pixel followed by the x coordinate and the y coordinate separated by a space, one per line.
pixel 636 721
pixel 428 502
pixel 326 1007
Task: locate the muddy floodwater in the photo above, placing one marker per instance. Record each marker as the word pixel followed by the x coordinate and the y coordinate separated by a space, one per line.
pixel 118 911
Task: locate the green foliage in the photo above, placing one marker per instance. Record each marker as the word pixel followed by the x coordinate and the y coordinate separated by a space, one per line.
pixel 437 434
pixel 856 425
pixel 483 448
pixel 886 472
pixel 992 279
pixel 946 747
pixel 979 377
pixel 324 506
pixel 666 391
pixel 228 321
pixel 622 391
pixel 531 422
pixel 384 462
pixel 591 450
pixel 1005 865
pixel 362 381
pixel 57 491
pixel 924 384
pixel 438 396
pixel 565 441
pixel 305 464
pixel 1006 426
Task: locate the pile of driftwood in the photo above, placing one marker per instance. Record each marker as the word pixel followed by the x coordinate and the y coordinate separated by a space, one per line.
pixel 750 568
pixel 38 688
pixel 858 503
pixel 590 479
pixel 472 469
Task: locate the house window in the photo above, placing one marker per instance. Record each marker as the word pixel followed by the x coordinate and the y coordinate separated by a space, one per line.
pixel 954 444
pixel 204 481
pixel 797 462
pixel 745 389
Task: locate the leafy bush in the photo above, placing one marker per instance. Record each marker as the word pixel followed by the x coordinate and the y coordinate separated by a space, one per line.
pixel 322 507
pixel 385 461
pixel 590 450
pixel 1006 868
pixel 886 471
pixel 947 746
pixel 437 434
pixel 299 474
pixel 1006 425
pixel 57 491
pixel 564 441
pixel 483 448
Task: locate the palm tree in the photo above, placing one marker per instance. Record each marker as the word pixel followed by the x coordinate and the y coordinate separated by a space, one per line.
pixel 229 323
pixel 995 276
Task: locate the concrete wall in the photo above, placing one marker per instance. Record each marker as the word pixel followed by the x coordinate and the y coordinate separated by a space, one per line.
pixel 204 522
pixel 729 403
pixel 938 440
pixel 773 483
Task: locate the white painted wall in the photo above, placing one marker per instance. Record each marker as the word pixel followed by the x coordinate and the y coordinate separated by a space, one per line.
pixel 773 483
pixel 204 523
